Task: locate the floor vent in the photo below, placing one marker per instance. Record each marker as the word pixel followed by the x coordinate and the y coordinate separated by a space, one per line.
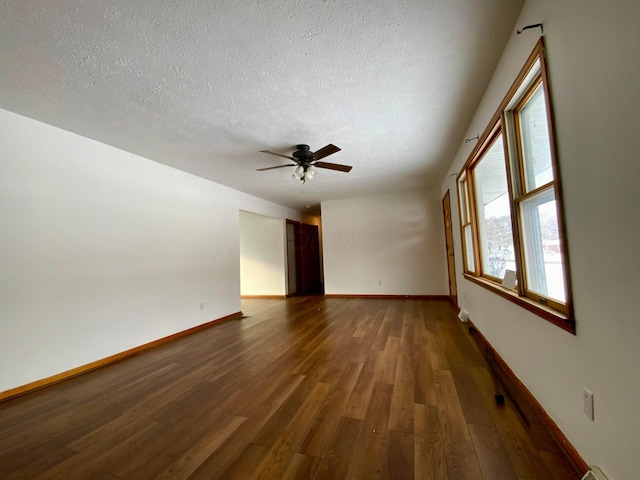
pixel 594 473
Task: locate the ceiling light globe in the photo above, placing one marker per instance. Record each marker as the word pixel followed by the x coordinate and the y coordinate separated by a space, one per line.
pixel 310 173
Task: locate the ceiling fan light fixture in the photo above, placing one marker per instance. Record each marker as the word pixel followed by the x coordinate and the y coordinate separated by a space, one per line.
pixel 306 161
pixel 310 173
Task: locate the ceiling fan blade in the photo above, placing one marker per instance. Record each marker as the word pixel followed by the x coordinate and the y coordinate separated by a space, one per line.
pixel 271 168
pixel 333 166
pixel 325 151
pixel 278 154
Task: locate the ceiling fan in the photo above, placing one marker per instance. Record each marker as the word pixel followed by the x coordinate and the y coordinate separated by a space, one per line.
pixel 307 161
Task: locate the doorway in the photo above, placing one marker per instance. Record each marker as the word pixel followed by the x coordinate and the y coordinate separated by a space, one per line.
pixel 303 259
pixel 262 256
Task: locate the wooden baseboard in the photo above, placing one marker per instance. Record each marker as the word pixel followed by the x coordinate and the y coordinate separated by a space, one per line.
pixel 388 297
pixel 572 454
pixel 279 297
pixel 74 372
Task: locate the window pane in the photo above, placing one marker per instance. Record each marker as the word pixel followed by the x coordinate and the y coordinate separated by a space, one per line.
pixel 494 212
pixel 534 132
pixel 543 257
pixel 468 245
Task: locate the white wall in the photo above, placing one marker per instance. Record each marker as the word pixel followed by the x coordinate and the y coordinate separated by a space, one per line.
pixel 262 255
pixel 593 53
pixel 102 250
pixel 393 239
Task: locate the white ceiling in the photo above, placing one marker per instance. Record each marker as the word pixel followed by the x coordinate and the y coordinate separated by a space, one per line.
pixel 203 85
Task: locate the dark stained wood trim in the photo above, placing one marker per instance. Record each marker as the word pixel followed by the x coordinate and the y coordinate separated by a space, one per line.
pixel 74 372
pixel 449 250
pixel 279 297
pixel 388 297
pixel 570 451
pixel 562 321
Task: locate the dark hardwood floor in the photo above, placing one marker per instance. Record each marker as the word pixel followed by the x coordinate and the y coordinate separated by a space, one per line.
pixel 304 388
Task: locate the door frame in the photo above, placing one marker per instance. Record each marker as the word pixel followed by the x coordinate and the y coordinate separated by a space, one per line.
pixel 448 240
pixel 304 263
pixel 296 267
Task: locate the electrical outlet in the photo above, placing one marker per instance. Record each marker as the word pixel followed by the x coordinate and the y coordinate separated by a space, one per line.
pixel 588 403
pixel 379 282
pixel 202 306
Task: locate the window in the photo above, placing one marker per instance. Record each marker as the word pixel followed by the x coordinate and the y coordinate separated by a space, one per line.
pixel 467 233
pixel 537 208
pixel 510 208
pixel 493 211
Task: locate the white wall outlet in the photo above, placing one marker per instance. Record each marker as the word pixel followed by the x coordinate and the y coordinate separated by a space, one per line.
pixel 379 282
pixel 588 403
pixel 463 315
pixel 202 306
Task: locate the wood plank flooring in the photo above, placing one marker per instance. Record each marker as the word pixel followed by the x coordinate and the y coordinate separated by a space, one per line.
pixel 305 388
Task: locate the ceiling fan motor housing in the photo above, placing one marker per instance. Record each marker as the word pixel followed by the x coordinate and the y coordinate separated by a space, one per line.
pixel 303 153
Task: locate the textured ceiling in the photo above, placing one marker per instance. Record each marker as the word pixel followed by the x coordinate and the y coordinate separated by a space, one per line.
pixel 203 85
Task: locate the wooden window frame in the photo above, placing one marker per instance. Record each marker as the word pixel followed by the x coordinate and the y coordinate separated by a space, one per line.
pixel 464 207
pixel 488 141
pixel 505 122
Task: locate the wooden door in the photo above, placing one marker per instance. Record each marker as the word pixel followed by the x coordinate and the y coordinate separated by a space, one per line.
pixel 309 244
pixel 451 264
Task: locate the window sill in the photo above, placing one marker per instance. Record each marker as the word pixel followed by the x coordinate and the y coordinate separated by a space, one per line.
pixel 557 318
